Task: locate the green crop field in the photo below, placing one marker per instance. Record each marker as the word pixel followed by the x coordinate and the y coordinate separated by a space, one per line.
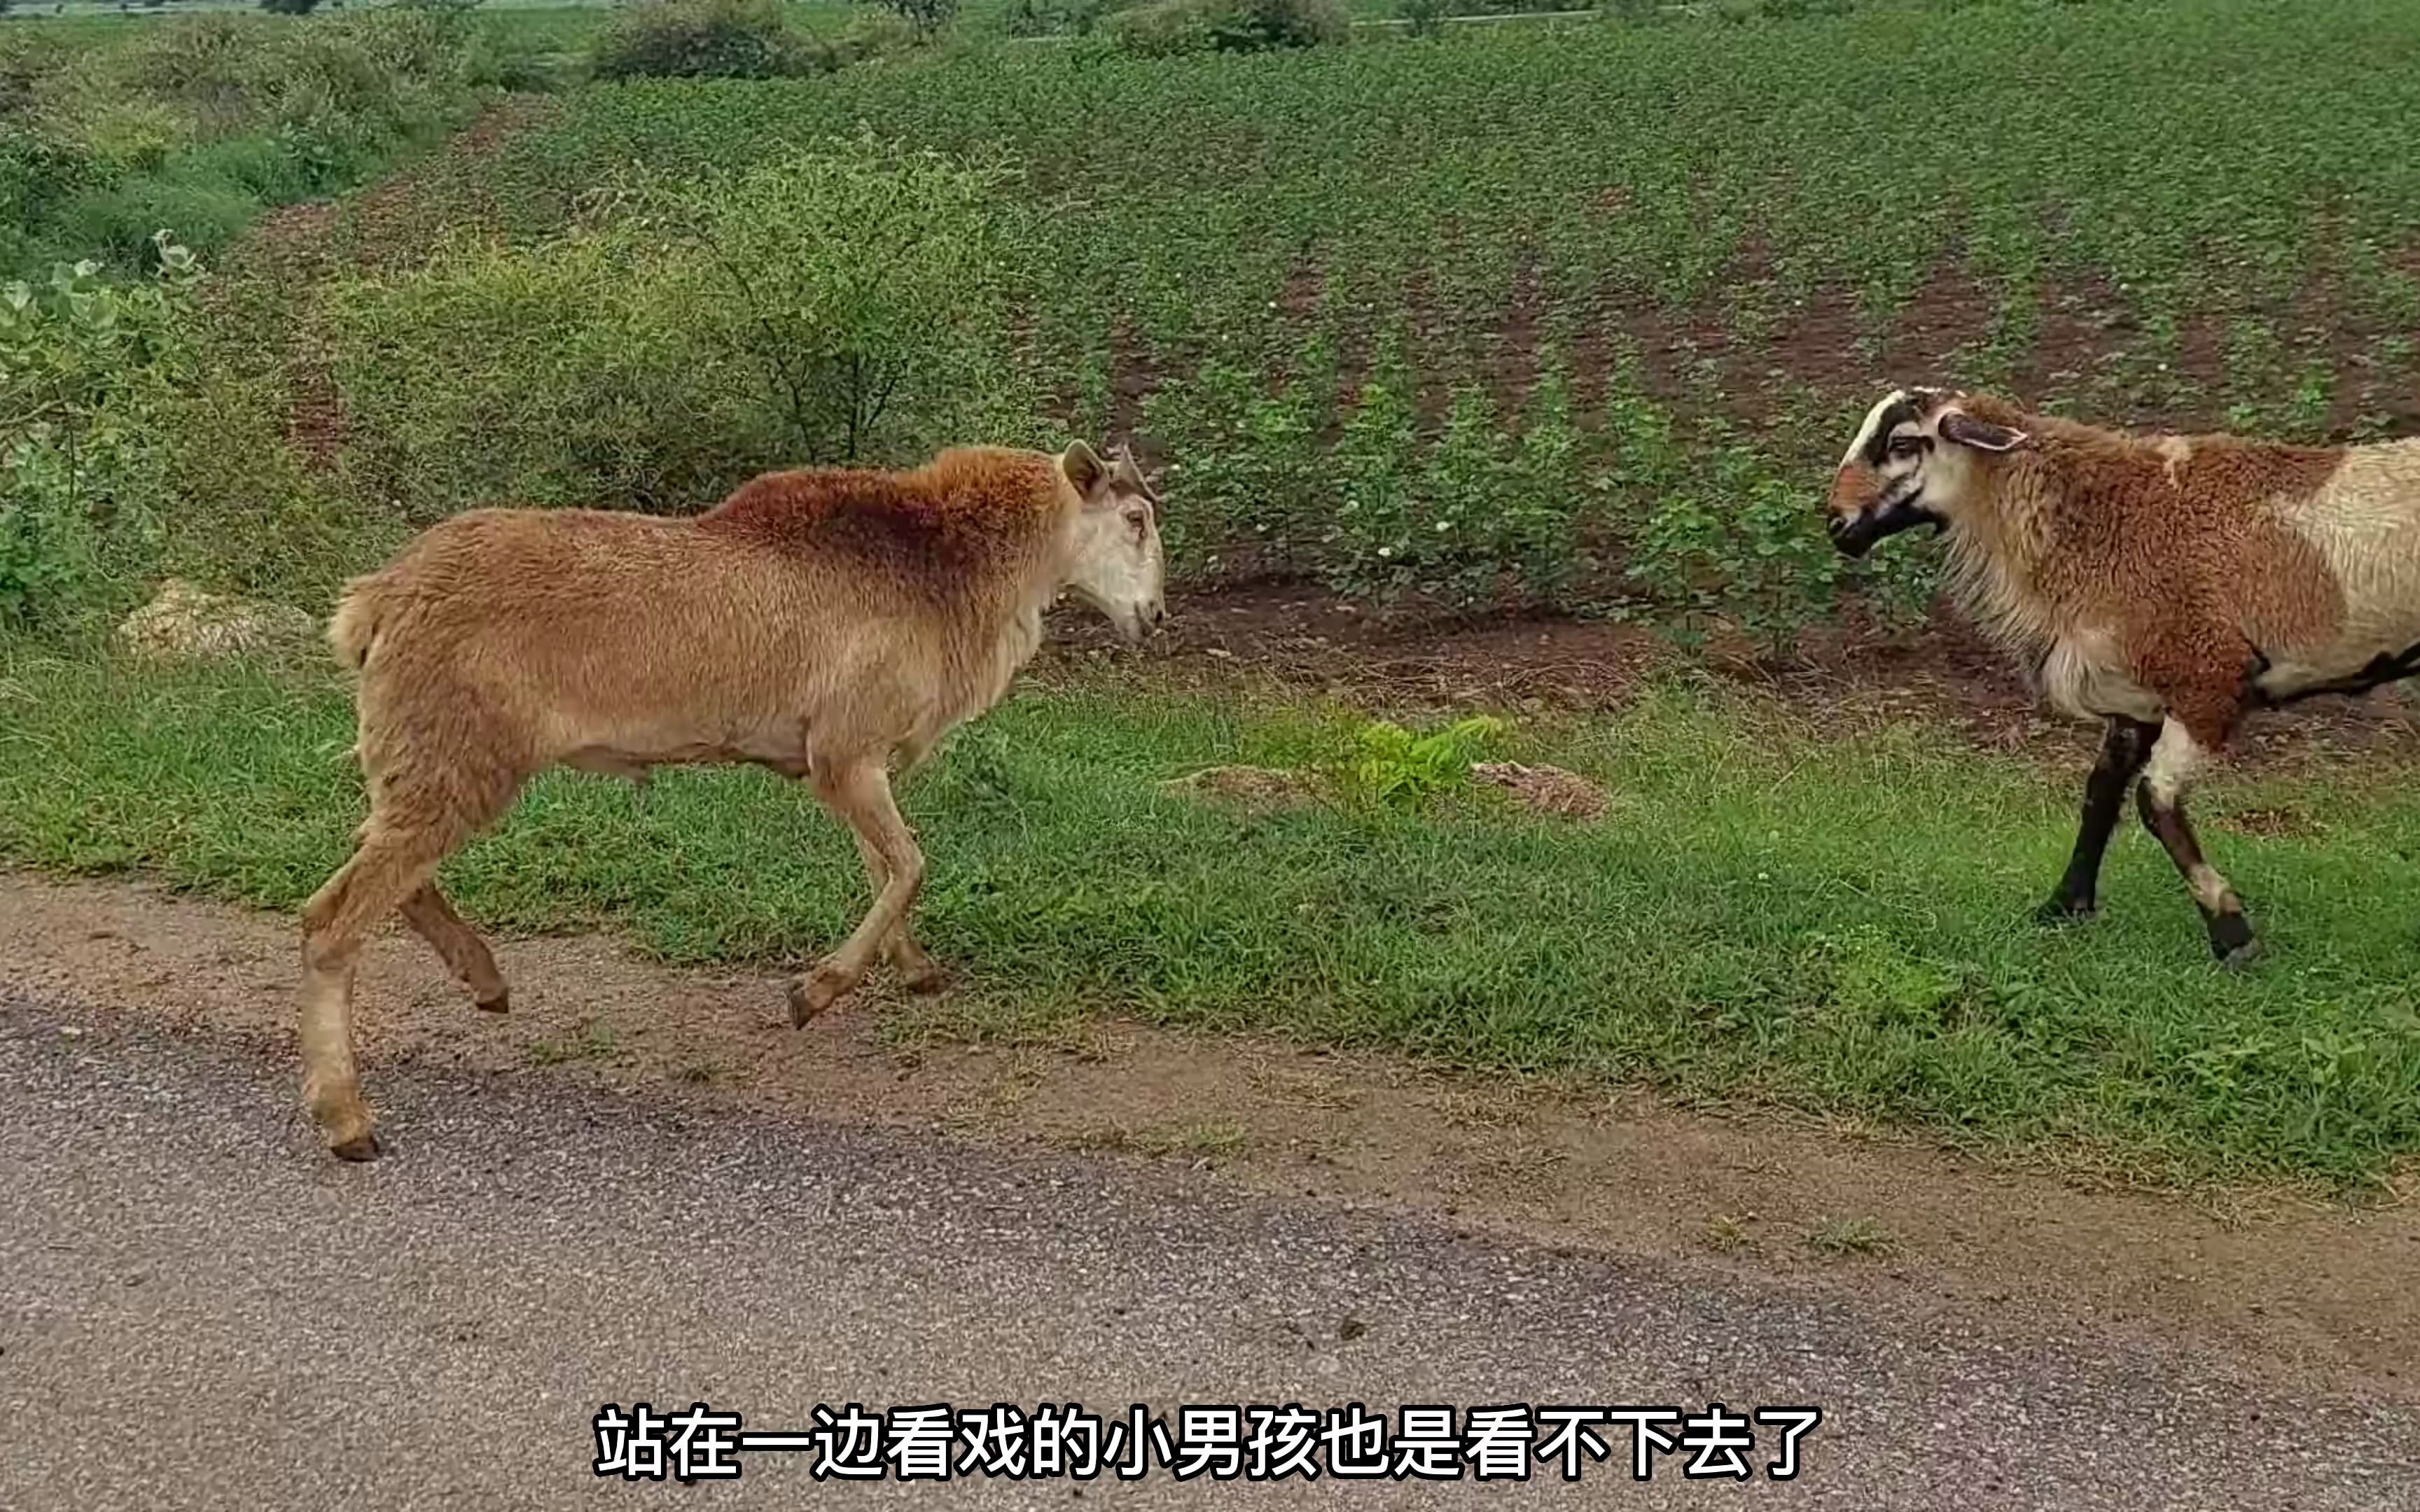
pixel 1333 287
pixel 1559 315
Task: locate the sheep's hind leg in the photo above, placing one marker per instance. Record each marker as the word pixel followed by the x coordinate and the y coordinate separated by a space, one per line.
pixel 389 867
pixel 918 971
pixel 860 795
pixel 2162 801
pixel 458 946
pixel 2124 749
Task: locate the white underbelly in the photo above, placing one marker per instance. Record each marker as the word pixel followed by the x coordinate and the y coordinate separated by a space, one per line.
pixel 2367 654
pixel 2083 678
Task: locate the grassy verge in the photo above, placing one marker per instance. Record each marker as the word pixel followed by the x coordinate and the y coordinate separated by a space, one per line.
pixel 1834 926
pixel 198 123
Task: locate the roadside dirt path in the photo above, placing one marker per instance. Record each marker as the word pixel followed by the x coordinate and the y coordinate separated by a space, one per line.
pixel 198 1309
pixel 2307 1290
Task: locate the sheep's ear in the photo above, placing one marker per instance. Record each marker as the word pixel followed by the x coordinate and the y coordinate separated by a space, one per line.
pixel 1964 429
pixel 1084 469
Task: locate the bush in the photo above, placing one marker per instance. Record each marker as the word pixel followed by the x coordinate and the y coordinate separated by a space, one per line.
pixel 872 34
pixel 198 123
pixel 1057 18
pixel 926 16
pixel 593 386
pixel 117 224
pixel 89 366
pixel 842 303
pixel 862 285
pixel 1164 27
pixel 700 39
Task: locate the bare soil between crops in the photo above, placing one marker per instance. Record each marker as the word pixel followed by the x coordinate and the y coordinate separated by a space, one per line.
pixel 2313 1289
pixel 1836 680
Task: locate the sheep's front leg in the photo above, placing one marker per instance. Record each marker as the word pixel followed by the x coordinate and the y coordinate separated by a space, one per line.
pixel 2123 751
pixel 2174 760
pixel 859 796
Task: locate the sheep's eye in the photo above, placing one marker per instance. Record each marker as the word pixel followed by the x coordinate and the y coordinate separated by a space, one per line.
pixel 1136 519
pixel 1907 445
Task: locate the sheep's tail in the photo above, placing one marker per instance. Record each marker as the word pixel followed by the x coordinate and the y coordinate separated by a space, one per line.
pixel 354 628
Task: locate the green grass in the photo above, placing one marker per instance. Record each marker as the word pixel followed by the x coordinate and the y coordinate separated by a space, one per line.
pixel 1837 927
pixel 199 122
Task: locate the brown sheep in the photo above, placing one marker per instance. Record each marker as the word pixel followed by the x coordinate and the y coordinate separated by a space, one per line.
pixel 2166 585
pixel 817 622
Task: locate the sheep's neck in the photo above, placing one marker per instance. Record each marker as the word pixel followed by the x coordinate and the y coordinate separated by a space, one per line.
pixel 1996 557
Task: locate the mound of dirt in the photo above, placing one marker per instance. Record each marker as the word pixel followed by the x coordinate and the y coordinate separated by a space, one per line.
pixel 1252 787
pixel 184 621
pixel 1549 789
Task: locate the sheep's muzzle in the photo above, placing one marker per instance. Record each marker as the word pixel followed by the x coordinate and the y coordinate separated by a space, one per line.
pixel 1858 513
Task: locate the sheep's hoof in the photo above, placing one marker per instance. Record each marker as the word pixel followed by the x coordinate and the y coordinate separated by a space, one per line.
pixel 815 992
pixel 2231 940
pixel 362 1147
pixel 923 976
pixel 2063 911
pixel 501 1003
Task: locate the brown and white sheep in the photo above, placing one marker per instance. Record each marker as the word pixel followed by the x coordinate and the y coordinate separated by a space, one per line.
pixel 817 622
pixel 2166 584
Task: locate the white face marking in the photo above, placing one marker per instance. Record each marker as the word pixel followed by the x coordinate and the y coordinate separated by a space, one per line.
pixel 1866 431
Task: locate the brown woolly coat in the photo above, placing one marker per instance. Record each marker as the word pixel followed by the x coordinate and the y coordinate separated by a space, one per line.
pixel 2189 574
pixel 812 618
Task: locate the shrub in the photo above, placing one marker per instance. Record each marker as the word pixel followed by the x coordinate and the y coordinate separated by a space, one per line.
pixel 89 366
pixel 860 283
pixel 1393 765
pixel 1164 27
pixel 289 8
pixel 1424 18
pixel 197 122
pixel 870 35
pixel 840 304
pixel 1057 18
pixel 700 39
pixel 117 224
pixel 593 386
pixel 37 173
pixel 926 16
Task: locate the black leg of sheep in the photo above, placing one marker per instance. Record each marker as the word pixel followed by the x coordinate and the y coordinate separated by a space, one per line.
pixel 2123 751
pixel 2231 939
